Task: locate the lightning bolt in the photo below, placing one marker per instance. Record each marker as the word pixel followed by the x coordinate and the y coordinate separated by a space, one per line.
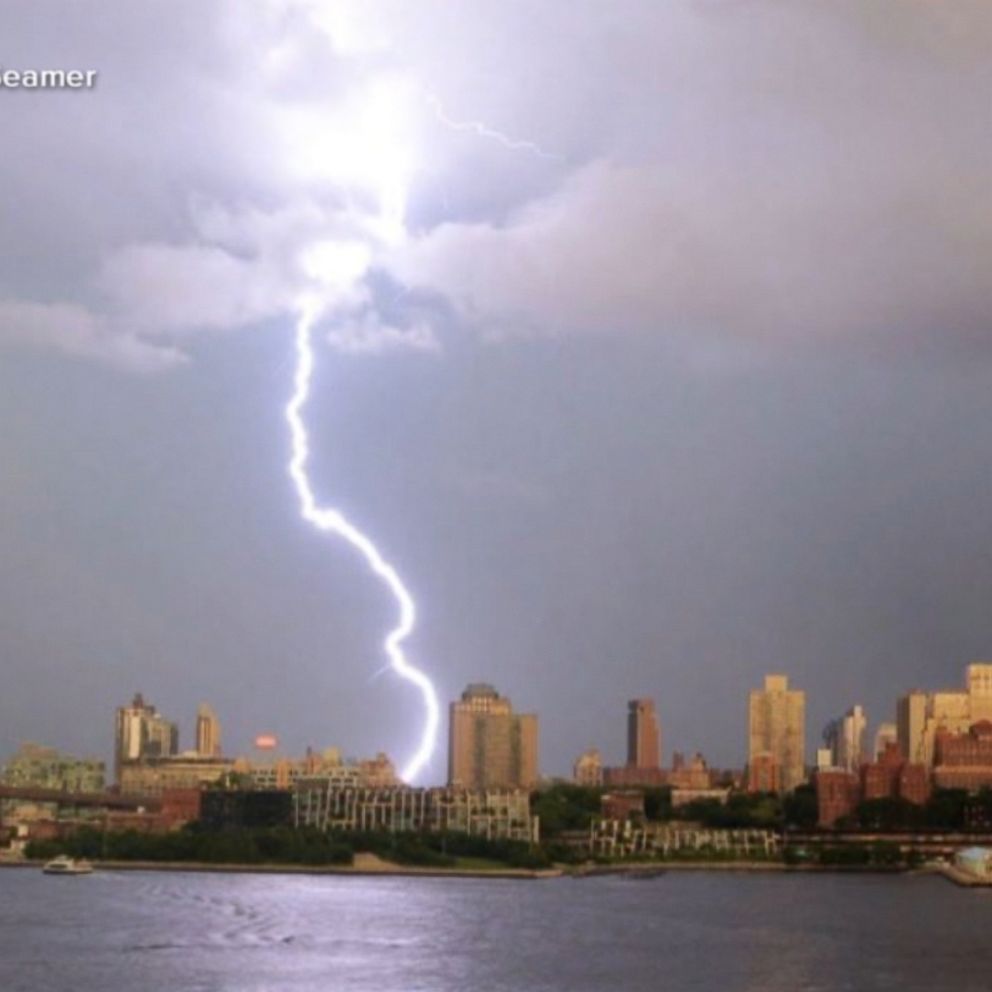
pixel 484 131
pixel 332 521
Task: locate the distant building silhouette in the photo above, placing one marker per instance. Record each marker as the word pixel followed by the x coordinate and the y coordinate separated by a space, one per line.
pixel 920 715
pixel 588 768
pixel 141 732
pixel 155 776
pixel 886 734
pixel 838 791
pixel 490 746
pixel 964 760
pixel 34 765
pixel 643 767
pixel 207 732
pixel 691 775
pixel 776 736
pixel 845 738
pixel 643 735
pixel 911 714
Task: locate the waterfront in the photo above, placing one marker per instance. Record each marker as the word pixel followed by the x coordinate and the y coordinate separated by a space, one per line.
pixel 679 931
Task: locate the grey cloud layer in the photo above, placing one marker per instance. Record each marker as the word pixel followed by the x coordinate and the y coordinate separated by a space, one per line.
pixel 792 172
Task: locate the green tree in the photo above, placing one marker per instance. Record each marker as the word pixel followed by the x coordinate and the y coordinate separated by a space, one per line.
pixel 565 807
pixel 945 809
pixel 800 808
pixel 658 803
pixel 888 814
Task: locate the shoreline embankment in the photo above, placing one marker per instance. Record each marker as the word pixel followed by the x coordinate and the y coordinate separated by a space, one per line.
pixel 369 866
pixel 963 878
pixel 647 868
pixel 365 865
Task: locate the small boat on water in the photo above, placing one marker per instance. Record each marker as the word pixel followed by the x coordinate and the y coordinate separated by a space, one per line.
pixel 64 865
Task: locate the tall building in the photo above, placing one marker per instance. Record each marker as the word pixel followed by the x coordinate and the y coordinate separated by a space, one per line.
pixel 207 732
pixel 911 714
pixel 845 738
pixel 764 773
pixel 979 678
pixel 141 732
pixel 643 768
pixel 490 746
pixel 922 715
pixel 776 736
pixel 643 735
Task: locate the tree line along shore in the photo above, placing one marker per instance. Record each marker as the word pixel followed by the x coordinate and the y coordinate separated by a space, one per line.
pixel 566 814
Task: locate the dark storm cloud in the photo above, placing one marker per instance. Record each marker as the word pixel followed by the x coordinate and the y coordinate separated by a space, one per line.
pixel 783 171
pixel 788 172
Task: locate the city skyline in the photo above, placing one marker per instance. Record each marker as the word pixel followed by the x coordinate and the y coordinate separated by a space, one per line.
pixel 944 777
pixel 775 725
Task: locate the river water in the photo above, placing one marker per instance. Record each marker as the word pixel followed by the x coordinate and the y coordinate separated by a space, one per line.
pixel 719 932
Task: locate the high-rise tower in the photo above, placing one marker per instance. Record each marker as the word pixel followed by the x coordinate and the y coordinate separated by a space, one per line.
pixel 490 746
pixel 140 731
pixel 643 735
pixel 207 732
pixel 845 738
pixel 776 736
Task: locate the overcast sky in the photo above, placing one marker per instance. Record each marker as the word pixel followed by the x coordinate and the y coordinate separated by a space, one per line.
pixel 655 353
